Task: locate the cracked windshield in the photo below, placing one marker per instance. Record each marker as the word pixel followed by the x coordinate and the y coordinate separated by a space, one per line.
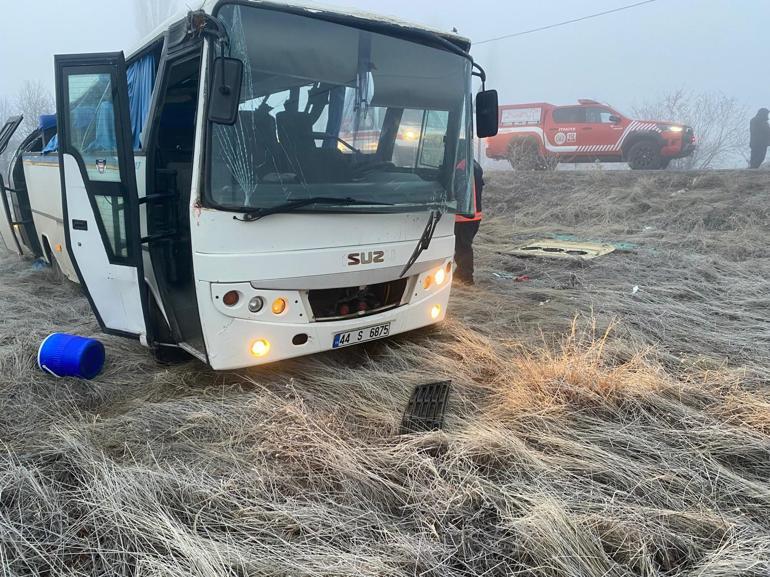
pixel 332 111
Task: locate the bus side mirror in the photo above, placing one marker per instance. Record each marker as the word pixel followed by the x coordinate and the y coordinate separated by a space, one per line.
pixel 487 113
pixel 225 95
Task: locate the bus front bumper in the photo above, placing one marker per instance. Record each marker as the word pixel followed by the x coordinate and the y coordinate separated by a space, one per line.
pixel 236 343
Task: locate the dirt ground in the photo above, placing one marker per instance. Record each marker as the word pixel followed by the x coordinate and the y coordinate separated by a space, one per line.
pixel 593 429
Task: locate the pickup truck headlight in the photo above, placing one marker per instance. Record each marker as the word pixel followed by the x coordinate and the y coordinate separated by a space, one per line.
pixel 670 128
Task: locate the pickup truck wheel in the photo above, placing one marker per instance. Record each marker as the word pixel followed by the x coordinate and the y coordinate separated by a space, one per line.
pixel 548 162
pixel 524 155
pixel 644 155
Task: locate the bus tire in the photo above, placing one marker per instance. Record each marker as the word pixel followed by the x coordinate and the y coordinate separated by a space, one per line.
pixel 56 272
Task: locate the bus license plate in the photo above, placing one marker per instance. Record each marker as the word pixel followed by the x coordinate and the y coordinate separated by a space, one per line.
pixel 351 338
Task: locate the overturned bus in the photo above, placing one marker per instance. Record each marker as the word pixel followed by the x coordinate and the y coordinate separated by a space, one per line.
pixel 238 187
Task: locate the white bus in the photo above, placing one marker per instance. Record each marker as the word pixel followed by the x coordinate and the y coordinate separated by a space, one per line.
pixel 205 195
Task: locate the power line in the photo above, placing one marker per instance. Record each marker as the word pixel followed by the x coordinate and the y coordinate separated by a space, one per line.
pixel 540 29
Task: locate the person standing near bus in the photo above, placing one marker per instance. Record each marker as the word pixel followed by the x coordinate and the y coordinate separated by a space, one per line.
pixel 466 229
pixel 760 138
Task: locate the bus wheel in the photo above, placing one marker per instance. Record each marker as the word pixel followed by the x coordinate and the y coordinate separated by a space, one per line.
pixel 56 272
pixel 644 155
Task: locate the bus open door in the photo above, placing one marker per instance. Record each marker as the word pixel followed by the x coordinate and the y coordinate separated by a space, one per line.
pixel 99 190
pixel 8 221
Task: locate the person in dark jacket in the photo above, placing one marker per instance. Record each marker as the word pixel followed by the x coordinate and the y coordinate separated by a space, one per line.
pixel 466 229
pixel 760 138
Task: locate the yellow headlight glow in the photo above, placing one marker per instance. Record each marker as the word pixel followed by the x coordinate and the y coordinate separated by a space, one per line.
pixel 435 312
pixel 440 276
pixel 260 348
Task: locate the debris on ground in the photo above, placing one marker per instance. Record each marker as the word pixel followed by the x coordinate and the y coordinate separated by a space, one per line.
pixel 426 408
pixel 565 249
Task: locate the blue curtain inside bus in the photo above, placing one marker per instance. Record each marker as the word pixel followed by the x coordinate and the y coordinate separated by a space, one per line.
pixel 53 145
pixel 141 81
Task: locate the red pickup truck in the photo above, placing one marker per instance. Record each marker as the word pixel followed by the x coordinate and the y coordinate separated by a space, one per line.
pixel 537 136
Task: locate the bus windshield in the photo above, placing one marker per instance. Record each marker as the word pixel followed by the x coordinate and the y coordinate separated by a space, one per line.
pixel 329 110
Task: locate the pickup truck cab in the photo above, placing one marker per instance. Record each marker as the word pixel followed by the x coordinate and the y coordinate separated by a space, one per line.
pixel 537 136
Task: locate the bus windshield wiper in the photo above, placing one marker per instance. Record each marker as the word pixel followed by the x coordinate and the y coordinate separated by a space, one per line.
pixel 292 205
pixel 424 243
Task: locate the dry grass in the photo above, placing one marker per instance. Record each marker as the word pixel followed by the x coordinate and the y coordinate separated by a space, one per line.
pixel 577 441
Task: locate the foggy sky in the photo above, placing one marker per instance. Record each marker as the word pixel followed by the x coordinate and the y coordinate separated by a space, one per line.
pixel 623 59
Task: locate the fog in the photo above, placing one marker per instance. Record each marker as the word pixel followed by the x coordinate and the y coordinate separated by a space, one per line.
pixel 624 58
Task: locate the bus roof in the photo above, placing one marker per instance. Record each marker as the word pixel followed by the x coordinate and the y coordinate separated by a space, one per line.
pixel 317 11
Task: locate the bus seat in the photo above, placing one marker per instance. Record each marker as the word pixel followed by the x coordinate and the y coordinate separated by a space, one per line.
pixel 259 129
pixel 310 163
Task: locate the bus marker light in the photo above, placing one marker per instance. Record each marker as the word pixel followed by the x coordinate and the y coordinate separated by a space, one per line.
pixel 428 282
pixel 279 306
pixel 231 298
pixel 260 348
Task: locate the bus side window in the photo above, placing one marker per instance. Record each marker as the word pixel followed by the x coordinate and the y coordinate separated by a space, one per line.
pixel 92 133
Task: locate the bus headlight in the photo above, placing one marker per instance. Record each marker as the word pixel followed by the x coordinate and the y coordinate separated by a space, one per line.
pixel 438 278
pixel 260 348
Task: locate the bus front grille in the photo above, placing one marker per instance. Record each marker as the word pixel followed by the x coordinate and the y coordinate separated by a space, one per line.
pixel 356 302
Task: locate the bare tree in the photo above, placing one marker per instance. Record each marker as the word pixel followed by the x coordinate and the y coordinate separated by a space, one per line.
pixel 6 111
pixel 150 14
pixel 720 123
pixel 33 100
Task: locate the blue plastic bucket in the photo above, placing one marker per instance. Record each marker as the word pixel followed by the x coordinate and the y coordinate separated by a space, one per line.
pixel 65 355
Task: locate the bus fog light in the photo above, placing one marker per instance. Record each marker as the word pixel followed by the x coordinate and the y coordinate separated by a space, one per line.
pixel 279 306
pixel 256 304
pixel 435 312
pixel 439 277
pixel 260 348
